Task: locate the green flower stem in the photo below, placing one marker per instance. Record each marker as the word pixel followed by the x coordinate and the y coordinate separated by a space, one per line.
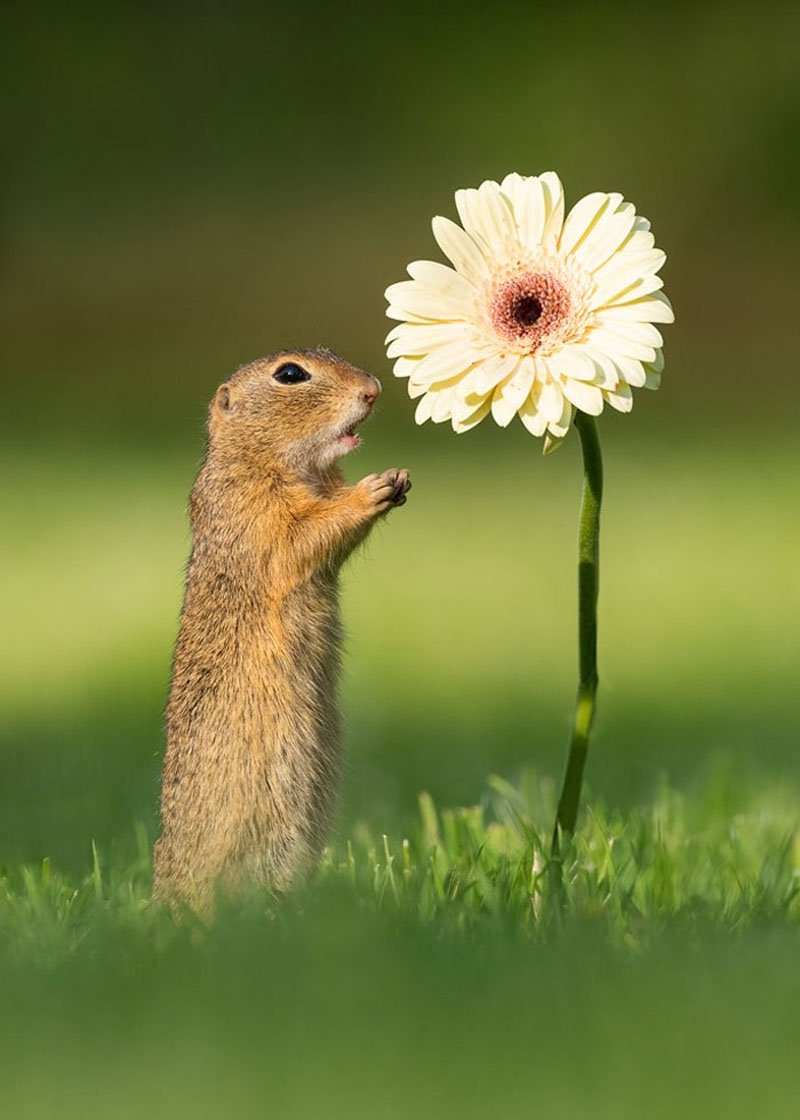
pixel 588 586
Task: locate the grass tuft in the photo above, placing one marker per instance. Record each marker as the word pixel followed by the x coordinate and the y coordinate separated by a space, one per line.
pixel 672 864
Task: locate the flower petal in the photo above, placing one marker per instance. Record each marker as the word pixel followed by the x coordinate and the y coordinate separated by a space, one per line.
pixel 606 236
pixel 509 395
pixel 554 208
pixel 527 198
pixel 458 247
pixel 465 403
pixel 463 424
pixel 442 364
pixel 621 286
pixel 630 266
pixel 415 390
pixel 631 371
pixel 513 186
pixel 424 409
pixel 632 331
pixel 652 371
pixel 487 216
pixel 441 278
pixel 411 298
pixel 559 428
pixel 466 388
pixel 442 401
pixel 614 346
pixel 493 370
pixel 640 238
pixel 654 308
pixel 551 401
pixel 588 398
pixel 581 219
pixel 607 372
pixel 573 361
pixel 404 367
pixel 436 405
pixel 531 417
pixel 621 398
pixel 408 339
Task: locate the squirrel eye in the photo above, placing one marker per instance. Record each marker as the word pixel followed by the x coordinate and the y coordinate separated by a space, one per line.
pixel 291 374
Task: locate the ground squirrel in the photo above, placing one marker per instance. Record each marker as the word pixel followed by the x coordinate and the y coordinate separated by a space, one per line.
pixel 253 737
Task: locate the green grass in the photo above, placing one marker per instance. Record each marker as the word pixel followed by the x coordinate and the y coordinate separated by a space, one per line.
pixel 429 969
pixel 677 863
pixel 437 972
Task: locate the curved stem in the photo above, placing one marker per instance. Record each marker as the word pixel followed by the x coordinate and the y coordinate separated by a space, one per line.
pixel 588 586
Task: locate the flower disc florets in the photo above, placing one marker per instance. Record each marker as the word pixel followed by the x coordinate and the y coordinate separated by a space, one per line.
pixel 539 314
pixel 529 309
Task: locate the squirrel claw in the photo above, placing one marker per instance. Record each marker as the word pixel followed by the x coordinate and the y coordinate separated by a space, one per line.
pixel 401 484
pixel 387 490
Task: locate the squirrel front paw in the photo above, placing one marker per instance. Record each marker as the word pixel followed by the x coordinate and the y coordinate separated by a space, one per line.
pixel 385 491
pixel 401 484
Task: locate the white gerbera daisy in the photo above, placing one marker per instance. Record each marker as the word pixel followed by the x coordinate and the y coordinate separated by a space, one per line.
pixel 539 315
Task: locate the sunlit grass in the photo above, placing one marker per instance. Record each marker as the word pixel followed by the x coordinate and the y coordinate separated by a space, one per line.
pixel 679 862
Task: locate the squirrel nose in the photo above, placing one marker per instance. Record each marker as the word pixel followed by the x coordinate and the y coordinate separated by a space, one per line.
pixel 369 396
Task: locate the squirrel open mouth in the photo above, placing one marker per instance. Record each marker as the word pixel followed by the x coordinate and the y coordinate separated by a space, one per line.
pixel 348 438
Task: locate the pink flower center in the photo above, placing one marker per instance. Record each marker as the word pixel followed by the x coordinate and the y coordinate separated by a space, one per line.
pixel 528 308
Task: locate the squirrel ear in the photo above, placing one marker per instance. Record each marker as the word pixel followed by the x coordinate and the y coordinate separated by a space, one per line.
pixel 224 400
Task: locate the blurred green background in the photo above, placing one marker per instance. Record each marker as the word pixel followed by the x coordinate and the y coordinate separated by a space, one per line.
pixel 188 186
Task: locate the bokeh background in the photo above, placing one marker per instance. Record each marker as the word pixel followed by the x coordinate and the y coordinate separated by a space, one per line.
pixel 188 186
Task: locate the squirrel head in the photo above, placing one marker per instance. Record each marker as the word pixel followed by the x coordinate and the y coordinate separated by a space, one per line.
pixel 296 408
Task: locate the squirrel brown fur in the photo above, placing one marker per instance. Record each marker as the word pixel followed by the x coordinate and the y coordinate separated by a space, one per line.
pixel 253 730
